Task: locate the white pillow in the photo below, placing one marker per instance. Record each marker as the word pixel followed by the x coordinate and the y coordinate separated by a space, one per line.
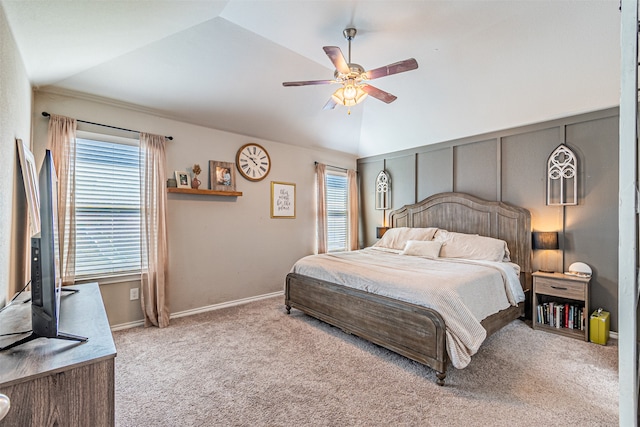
pixel 472 246
pixel 397 238
pixel 424 248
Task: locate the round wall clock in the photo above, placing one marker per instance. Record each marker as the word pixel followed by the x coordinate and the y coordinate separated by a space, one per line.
pixel 253 162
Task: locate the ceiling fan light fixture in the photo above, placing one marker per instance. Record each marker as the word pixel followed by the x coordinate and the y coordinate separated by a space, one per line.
pixel 349 95
pixel 349 92
pixel 353 78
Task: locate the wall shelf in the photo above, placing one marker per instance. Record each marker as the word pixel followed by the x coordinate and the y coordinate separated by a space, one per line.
pixel 204 192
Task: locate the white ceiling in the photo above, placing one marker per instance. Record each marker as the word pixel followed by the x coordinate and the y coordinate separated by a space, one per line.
pixel 483 65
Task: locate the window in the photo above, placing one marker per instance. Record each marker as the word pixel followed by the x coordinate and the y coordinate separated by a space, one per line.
pixel 337 195
pixel 107 207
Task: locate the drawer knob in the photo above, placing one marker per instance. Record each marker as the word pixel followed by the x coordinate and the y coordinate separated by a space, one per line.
pixel 560 288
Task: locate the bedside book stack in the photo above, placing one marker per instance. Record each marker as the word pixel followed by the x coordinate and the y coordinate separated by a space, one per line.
pixel 559 315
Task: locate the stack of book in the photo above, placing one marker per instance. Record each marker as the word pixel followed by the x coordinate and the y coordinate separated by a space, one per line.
pixel 561 315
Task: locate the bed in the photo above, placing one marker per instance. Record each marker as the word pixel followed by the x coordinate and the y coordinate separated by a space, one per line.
pixel 413 329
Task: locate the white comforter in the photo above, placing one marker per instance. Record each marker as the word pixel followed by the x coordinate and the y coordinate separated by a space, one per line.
pixel 464 292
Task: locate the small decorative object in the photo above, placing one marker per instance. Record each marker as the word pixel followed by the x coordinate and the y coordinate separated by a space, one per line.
pixel 283 200
pixel 253 162
pixel 562 177
pixel 195 182
pixel 172 183
pixel 579 269
pixel 222 176
pixel 183 179
pixel 383 187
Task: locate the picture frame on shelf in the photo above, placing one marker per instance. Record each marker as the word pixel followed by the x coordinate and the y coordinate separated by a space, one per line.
pixel 283 200
pixel 183 179
pixel 222 175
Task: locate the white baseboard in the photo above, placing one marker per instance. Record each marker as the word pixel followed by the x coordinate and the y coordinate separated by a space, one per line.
pixel 201 310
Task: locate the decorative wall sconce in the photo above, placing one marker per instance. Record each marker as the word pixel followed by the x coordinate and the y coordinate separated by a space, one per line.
pixel 562 177
pixel 383 190
pixel 545 240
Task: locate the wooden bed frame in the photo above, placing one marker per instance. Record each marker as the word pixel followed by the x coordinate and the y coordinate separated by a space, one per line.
pixel 411 330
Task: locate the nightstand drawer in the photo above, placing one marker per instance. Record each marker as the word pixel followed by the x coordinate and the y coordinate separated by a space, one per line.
pixel 560 288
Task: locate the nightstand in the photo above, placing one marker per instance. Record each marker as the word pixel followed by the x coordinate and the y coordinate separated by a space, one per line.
pixel 560 304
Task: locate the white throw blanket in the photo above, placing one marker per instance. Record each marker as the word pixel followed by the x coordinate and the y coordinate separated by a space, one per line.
pixel 464 292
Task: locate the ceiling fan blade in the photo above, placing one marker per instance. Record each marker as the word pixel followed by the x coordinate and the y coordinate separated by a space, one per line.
pixel 335 55
pixel 379 94
pixel 395 68
pixel 330 105
pixel 308 82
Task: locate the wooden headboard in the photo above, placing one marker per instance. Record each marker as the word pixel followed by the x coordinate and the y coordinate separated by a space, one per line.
pixel 464 213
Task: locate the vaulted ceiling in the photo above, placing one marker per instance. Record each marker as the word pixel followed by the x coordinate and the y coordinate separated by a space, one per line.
pixel 483 65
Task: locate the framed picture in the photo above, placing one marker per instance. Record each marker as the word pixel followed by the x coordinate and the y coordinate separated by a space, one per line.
pixel 222 175
pixel 283 200
pixel 183 179
pixel 30 179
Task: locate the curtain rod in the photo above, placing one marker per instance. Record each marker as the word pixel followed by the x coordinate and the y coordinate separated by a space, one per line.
pixel 333 167
pixel 44 113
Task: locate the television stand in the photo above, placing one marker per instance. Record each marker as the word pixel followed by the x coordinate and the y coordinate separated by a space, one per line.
pixel 42 378
pixel 73 291
pixel 33 336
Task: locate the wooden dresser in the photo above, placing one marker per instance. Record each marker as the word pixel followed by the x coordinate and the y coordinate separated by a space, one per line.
pixel 57 382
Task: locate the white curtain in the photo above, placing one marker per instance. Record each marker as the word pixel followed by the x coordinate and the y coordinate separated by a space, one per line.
pixel 352 182
pixel 321 210
pixel 153 222
pixel 61 140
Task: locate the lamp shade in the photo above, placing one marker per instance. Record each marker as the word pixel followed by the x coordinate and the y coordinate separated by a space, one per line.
pixel 380 231
pixel 545 240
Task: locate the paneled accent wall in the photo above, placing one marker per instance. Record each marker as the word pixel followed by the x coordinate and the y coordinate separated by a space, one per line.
pixel 510 166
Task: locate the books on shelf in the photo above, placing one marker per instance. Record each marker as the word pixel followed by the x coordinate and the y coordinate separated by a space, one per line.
pixel 561 315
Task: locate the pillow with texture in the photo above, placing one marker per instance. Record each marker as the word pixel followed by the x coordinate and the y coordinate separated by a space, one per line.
pixel 472 246
pixel 423 248
pixel 397 238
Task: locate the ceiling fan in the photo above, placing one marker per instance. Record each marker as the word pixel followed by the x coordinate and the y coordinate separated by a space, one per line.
pixel 354 79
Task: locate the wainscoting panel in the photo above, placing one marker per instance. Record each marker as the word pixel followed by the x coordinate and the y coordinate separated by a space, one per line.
pixel 592 226
pixel 475 169
pixel 402 171
pixel 371 218
pixel 434 172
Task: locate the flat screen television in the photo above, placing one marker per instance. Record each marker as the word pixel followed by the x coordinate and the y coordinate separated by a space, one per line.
pixel 46 280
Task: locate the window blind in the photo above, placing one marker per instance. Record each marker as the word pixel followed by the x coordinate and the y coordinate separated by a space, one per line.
pixel 107 208
pixel 337 194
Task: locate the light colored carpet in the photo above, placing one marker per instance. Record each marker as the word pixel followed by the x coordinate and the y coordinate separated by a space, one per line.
pixel 254 365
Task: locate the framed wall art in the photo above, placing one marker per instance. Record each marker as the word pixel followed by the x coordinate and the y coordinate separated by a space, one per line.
pixel 283 200
pixel 222 175
pixel 183 179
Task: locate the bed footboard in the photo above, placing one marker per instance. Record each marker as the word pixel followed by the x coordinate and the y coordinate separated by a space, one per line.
pixel 415 332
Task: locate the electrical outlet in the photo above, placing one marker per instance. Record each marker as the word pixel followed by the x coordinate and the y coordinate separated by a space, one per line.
pixel 134 294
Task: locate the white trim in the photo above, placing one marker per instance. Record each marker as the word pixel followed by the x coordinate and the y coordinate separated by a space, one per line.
pixel 627 217
pixel 201 310
pixel 128 325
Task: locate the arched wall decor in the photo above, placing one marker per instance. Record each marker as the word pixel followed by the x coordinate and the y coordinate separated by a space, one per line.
pixel 383 190
pixel 562 177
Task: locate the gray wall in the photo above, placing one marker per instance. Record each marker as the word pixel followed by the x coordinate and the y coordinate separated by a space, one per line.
pixel 510 166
